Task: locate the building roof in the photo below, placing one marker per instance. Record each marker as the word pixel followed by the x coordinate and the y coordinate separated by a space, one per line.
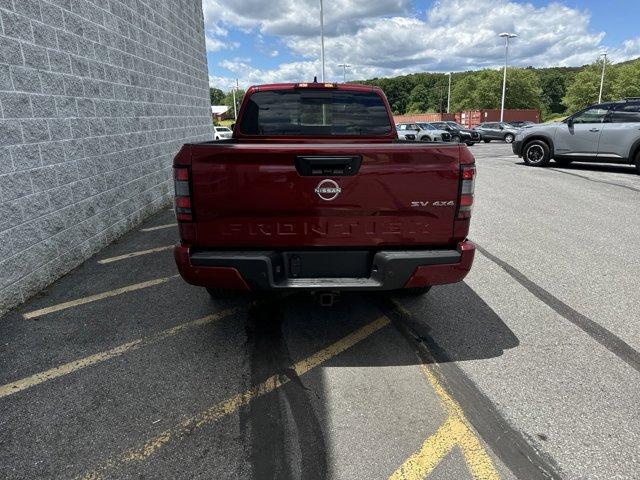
pixel 219 109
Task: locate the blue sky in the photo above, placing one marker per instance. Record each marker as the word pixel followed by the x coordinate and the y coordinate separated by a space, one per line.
pixel 260 41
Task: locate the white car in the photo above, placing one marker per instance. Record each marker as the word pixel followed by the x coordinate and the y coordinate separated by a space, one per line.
pixel 423 131
pixel 222 133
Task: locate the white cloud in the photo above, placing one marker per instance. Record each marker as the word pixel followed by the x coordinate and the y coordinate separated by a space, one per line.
pixel 298 17
pixel 386 37
pixel 250 75
pixel 216 44
pixel 223 83
pixel 631 48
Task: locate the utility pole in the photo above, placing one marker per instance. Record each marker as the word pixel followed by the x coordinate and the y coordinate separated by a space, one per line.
pixel 344 71
pixel 449 95
pixel 506 37
pixel 235 108
pixel 322 39
pixel 604 64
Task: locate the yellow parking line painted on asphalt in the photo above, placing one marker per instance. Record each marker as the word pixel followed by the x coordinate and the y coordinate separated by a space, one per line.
pixel 158 227
pixel 67 368
pixel 232 404
pixel 433 450
pixel 99 296
pixel 456 430
pixel 134 254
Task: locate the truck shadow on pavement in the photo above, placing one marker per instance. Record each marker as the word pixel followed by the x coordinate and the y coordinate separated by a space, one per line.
pixel 264 422
pixel 284 431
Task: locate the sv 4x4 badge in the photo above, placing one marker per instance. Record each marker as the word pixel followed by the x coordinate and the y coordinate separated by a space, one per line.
pixel 328 190
pixel 438 203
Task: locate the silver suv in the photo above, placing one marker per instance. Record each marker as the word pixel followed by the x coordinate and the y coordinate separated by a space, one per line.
pixel 604 133
pixel 497 131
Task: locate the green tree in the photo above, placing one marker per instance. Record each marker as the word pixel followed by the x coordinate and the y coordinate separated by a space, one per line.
pixel 462 93
pixel 418 99
pixel 483 90
pixel 216 95
pixel 523 89
pixel 584 89
pixel 553 83
pixel 626 82
pixel 228 99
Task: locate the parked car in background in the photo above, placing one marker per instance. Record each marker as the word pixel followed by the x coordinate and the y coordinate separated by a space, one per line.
pixel 459 134
pixel 423 131
pixel 497 131
pixel 604 133
pixel 429 133
pixel 222 133
pixel 521 123
pixel 407 131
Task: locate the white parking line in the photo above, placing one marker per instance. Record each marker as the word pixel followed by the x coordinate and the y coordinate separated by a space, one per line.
pixel 158 227
pixel 99 296
pixel 134 254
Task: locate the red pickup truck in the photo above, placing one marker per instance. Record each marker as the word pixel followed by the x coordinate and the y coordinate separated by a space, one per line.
pixel 315 192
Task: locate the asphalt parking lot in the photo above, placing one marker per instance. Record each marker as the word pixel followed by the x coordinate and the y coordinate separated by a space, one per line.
pixel 529 369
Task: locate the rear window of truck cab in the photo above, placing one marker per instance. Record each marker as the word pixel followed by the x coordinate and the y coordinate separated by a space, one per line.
pixel 315 112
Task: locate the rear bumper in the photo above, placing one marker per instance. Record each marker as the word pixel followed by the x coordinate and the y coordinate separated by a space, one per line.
pixel 276 270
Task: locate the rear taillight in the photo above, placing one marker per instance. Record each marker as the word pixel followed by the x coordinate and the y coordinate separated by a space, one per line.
pixel 184 211
pixel 465 201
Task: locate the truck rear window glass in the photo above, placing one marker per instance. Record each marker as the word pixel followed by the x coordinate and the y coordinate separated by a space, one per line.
pixel 315 112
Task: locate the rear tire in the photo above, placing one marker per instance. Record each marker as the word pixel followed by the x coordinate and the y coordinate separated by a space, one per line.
pixel 455 139
pixel 470 144
pixel 536 154
pixel 486 141
pixel 638 162
pixel 425 139
pixel 509 138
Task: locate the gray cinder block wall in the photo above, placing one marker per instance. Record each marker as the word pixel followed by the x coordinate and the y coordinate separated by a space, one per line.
pixel 96 97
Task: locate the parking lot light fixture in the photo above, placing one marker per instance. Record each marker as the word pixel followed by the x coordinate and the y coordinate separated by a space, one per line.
pixel 322 39
pixel 506 36
pixel 604 64
pixel 449 95
pixel 344 71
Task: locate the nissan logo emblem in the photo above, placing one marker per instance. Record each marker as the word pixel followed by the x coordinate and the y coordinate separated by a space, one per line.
pixel 328 190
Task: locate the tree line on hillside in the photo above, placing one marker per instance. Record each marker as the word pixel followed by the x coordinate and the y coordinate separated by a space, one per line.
pixel 555 91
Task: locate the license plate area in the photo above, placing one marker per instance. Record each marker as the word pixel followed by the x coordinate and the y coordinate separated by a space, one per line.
pixel 328 264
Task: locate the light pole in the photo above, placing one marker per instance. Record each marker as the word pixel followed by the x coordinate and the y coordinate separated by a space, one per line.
pixel 235 108
pixel 449 95
pixel 344 71
pixel 322 39
pixel 506 36
pixel 604 64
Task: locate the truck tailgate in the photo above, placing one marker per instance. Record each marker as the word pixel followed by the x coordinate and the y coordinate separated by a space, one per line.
pixel 252 195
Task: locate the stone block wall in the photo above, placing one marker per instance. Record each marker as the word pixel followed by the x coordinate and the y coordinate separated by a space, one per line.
pixel 96 97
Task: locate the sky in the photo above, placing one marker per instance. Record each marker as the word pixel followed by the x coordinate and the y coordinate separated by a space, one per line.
pixel 270 41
